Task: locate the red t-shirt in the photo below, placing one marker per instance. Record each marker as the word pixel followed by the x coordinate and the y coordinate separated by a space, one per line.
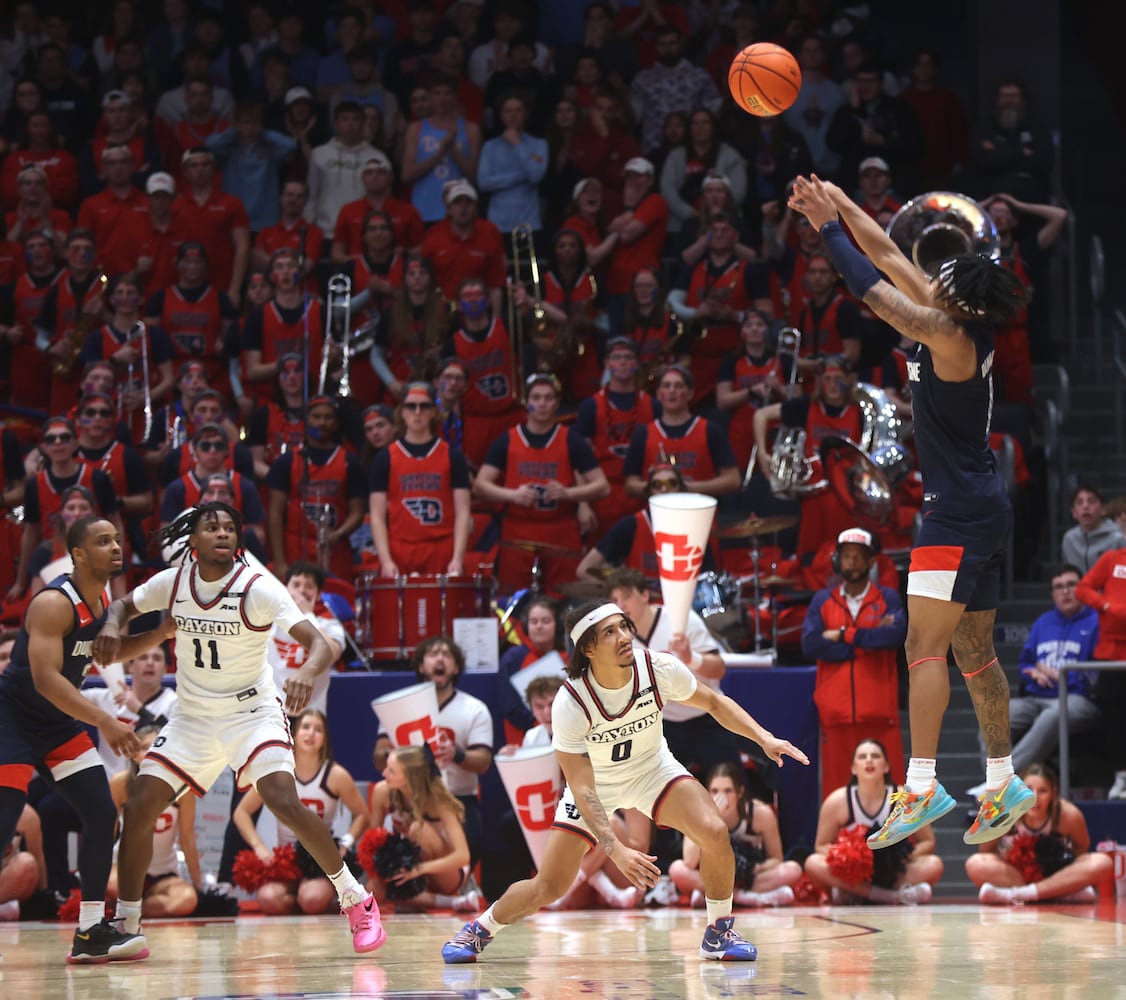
pixel 407 224
pixel 480 255
pixel 627 259
pixel 104 212
pixel 137 237
pixel 211 223
pixel 62 175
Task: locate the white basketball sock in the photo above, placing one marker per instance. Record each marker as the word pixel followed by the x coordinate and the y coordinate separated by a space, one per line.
pixel 348 890
pixel 130 912
pixel 921 774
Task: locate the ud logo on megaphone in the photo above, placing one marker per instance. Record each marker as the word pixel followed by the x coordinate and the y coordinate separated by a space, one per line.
pixel 536 804
pixel 678 560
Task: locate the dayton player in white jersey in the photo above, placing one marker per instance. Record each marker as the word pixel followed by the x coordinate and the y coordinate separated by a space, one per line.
pixel 607 734
pixel 229 712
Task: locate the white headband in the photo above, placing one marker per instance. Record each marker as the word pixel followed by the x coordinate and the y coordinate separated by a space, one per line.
pixel 600 613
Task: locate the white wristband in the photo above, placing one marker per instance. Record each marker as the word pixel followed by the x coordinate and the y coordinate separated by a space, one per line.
pixel 697 660
pixel 347 841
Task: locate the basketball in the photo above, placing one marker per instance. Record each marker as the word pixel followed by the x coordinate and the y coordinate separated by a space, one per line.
pixel 764 79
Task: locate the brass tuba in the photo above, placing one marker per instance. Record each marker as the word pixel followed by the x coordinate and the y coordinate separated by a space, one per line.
pixel 865 474
pixel 942 224
pixel 791 469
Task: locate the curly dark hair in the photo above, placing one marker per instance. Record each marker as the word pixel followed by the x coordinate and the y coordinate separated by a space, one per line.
pixel 981 287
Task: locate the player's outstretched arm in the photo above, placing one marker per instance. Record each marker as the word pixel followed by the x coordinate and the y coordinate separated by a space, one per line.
pixel 879 248
pixel 641 869
pixel 733 717
pixel 921 322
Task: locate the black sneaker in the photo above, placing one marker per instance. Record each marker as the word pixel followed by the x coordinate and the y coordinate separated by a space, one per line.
pixel 106 942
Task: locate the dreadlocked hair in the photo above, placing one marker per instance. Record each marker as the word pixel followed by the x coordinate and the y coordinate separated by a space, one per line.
pixel 175 536
pixel 981 287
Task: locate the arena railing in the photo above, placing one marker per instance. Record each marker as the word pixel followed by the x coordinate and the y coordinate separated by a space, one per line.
pixel 1099 666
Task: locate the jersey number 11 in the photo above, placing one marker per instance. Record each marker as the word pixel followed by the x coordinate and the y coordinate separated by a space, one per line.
pixel 213 646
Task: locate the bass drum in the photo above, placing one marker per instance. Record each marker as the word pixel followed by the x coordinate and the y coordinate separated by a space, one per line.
pixel 398 614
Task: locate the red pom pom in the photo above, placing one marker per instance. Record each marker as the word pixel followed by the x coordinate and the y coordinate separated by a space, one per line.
pixel 284 867
pixel 68 912
pixel 248 872
pixel 806 893
pixel 1022 856
pixel 850 858
pixel 370 843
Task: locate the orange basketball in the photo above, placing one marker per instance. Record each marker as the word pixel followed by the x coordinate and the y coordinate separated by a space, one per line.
pixel 764 79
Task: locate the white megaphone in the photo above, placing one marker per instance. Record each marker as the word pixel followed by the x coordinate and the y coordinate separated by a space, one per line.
pixel 681 525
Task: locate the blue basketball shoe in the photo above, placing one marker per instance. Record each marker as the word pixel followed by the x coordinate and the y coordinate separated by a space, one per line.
pixel 466 944
pixel 723 943
pixel 911 812
pixel 998 811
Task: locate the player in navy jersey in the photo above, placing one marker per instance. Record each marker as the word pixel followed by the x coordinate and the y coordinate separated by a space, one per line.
pixel 954 580
pixel 41 716
pixel 608 739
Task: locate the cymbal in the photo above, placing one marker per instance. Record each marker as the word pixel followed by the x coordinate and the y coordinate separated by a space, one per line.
pixel 542 548
pixel 603 572
pixel 771 582
pixel 753 527
pixel 583 590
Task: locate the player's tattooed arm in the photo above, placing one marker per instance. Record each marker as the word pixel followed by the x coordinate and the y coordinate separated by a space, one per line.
pixel 595 815
pixel 922 323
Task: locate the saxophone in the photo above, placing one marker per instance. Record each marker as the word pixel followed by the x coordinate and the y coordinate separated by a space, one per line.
pixel 77 335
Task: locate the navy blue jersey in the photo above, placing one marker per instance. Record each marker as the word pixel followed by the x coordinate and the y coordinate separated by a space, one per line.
pixel 16 683
pixel 952 431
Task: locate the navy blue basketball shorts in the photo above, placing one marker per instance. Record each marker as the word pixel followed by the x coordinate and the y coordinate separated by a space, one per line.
pixel 958 556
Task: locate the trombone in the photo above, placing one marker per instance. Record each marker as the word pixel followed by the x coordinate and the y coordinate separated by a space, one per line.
pixel 522 234
pixel 138 330
pixel 338 313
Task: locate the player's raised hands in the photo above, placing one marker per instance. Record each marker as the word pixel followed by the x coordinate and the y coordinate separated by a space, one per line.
pixel 812 197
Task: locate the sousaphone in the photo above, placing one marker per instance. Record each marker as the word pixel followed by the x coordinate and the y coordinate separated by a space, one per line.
pixel 939 225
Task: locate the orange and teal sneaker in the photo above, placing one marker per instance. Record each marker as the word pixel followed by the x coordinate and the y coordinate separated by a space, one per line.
pixel 910 812
pixel 998 811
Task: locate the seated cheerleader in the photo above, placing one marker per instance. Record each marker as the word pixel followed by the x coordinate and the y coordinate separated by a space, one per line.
pixel 762 878
pixel 842 863
pixel 22 867
pixel 1046 856
pixel 413 802
pixel 166 894
pixel 322 785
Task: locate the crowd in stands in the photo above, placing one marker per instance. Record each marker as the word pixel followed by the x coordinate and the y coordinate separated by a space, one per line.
pixel 450 288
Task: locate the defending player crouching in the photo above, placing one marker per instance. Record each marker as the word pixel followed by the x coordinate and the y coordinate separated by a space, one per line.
pixel 610 744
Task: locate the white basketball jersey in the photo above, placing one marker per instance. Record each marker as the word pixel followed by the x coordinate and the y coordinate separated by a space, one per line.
pixel 316 797
pixel 285 653
pixel 620 729
pixel 166 833
pixel 223 628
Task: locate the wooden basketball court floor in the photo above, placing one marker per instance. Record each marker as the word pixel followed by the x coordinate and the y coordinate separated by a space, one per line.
pixel 943 951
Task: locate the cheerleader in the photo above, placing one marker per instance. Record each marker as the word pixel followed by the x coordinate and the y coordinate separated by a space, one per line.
pixel 413 802
pixel 322 785
pixel 842 863
pixel 762 878
pixel 1046 856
